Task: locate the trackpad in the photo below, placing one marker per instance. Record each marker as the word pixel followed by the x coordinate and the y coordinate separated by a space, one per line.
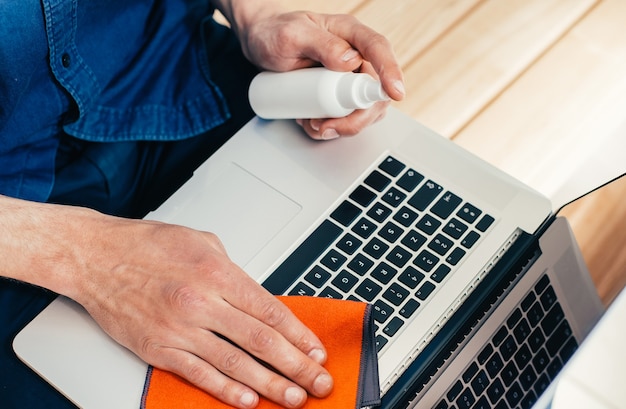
pixel 244 211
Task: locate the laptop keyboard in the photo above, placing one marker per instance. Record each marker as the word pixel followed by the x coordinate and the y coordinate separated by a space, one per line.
pixel 391 242
pixel 521 359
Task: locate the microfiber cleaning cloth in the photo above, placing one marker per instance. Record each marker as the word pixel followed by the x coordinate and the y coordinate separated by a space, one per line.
pixel 345 328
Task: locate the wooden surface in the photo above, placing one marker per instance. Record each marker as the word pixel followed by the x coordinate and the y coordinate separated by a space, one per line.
pixel 532 86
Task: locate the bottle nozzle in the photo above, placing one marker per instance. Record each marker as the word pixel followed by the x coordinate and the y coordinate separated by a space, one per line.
pixel 360 91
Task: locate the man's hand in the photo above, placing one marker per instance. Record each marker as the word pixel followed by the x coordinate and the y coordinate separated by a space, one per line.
pixel 172 296
pixel 278 41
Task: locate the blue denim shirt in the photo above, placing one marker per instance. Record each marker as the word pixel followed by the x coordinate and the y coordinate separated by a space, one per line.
pixel 98 70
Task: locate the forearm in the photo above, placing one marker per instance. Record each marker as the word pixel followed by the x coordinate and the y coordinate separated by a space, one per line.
pixel 51 246
pixel 242 13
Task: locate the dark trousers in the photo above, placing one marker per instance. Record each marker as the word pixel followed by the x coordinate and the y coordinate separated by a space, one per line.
pixel 125 179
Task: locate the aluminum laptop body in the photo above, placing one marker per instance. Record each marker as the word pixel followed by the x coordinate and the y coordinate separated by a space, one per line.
pixel 263 193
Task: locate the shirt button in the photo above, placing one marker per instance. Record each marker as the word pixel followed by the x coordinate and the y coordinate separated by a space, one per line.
pixel 66 60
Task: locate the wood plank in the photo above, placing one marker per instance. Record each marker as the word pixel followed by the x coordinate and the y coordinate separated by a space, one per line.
pixel 331 7
pixel 473 63
pixel 412 26
pixel 566 105
pixel 570 103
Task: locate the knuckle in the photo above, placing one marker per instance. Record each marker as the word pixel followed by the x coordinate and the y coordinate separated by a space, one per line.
pixel 196 374
pixel 183 297
pixel 231 361
pixel 273 313
pixel 261 339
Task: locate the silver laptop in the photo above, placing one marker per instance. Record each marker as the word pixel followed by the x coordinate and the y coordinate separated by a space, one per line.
pixel 398 217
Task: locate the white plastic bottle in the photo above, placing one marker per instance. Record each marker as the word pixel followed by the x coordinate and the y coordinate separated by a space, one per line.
pixel 312 93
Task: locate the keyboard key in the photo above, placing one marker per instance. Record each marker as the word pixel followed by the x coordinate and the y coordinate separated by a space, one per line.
pixel 383 273
pixel 317 277
pixel 368 289
pixel 527 378
pixel 360 264
pixel 508 348
pixel 363 196
pixel 413 240
pixel 411 277
pixel 393 197
pixel 456 256
pixel 514 318
pixel 454 391
pixel 528 302
pixel 542 284
pixel 398 256
pixel 425 195
pixel 428 224
pixel 521 331
pixel 446 205
pixel 480 383
pixel 301 259
pixel 455 228
pixel 302 289
pixel 440 273
pixel 495 391
pixel 541 360
pixel 391 166
pixel 381 311
pixel 514 395
pixel 470 239
pixel 469 213
pixel 494 365
pixel 484 223
pixel 558 338
pixel 395 294
pixel 379 212
pixel 541 385
pixel 470 372
pixel 330 293
pixel 380 342
pixel 409 308
pixel 391 232
pixel 482 403
pixel 509 374
pixel 548 298
pixel 536 340
pixel 440 244
pixel 333 260
pixel 364 228
pixel 405 216
pixel 376 248
pixel 552 319
pixel 410 180
pixel 392 328
pixel 499 336
pixel 425 290
pixel 529 400
pixel 426 260
pixel 346 213
pixel 345 281
pixel 466 400
pixel 522 356
pixel 568 349
pixel 377 181
pixel 485 354
pixel 535 313
pixel 349 244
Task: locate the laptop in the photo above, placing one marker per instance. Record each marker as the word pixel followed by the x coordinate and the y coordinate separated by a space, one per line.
pixel 436 239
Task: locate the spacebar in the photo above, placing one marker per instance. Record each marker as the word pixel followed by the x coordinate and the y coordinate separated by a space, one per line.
pixel 297 263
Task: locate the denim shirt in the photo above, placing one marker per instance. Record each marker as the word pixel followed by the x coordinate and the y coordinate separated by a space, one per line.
pixel 98 70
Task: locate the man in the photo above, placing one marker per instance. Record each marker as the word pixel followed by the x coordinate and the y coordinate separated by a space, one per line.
pixel 106 107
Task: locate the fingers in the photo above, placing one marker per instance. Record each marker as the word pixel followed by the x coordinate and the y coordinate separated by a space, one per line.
pixel 223 369
pixel 344 41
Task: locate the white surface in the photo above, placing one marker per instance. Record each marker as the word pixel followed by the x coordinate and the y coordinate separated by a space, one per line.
pixel 596 376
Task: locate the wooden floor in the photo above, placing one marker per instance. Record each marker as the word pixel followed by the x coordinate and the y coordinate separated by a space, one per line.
pixel 531 86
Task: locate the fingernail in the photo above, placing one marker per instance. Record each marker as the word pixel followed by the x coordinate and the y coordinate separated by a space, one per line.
pixel 248 399
pixel 349 55
pixel 294 396
pixel 318 356
pixel 399 86
pixel 315 124
pixel 299 122
pixel 323 385
pixel 330 134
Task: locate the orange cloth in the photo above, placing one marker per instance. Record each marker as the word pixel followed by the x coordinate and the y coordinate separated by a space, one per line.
pixel 346 330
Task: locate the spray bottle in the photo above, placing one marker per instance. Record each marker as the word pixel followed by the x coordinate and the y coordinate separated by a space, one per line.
pixel 312 93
